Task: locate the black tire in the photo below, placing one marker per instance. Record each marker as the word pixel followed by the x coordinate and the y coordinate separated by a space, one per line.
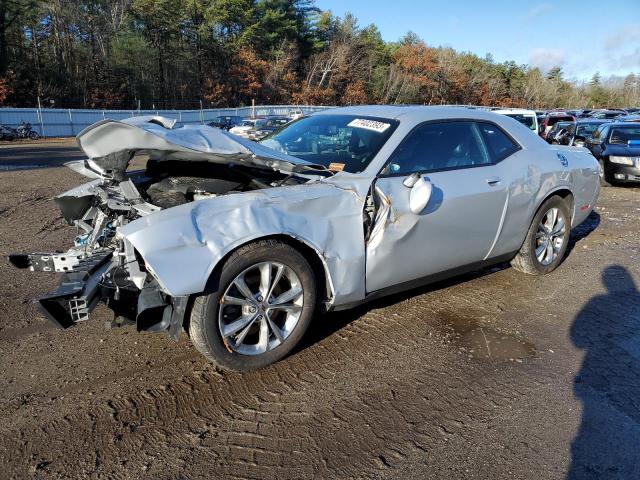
pixel 605 181
pixel 34 135
pixel 526 260
pixel 204 329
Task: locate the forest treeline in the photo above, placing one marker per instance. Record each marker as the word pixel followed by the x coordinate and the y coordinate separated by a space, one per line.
pixel 178 53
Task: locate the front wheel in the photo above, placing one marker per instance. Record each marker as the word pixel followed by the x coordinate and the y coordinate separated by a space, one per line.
pixel 547 239
pixel 34 135
pixel 264 303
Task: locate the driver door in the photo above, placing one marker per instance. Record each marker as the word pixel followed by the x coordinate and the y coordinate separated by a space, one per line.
pixel 461 220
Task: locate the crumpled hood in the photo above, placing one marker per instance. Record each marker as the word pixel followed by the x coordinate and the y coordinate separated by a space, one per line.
pixel 111 144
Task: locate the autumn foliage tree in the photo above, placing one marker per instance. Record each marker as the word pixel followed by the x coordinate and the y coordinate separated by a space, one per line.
pixel 187 53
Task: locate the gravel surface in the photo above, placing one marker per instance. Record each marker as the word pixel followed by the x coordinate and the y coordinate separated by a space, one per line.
pixel 489 376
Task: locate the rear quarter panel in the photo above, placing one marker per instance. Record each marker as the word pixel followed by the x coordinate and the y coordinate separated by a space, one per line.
pixel 534 174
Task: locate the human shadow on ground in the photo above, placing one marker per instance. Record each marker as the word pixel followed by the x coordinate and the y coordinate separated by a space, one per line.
pixel 607 445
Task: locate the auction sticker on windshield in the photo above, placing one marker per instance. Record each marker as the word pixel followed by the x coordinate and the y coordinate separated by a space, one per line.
pixel 369 124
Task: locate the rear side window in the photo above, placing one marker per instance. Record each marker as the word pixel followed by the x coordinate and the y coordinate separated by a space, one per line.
pixel 600 133
pixel 499 144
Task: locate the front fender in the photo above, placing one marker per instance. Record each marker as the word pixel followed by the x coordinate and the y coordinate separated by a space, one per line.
pixel 182 245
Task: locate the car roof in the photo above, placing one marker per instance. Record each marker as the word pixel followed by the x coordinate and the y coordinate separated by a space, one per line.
pixel 593 120
pixel 413 113
pixel 522 111
pixel 560 114
pixel 624 124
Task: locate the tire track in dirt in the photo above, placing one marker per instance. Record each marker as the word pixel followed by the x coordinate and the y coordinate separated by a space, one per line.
pixel 306 416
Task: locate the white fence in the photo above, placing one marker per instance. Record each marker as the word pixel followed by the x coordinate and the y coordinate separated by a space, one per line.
pixel 57 122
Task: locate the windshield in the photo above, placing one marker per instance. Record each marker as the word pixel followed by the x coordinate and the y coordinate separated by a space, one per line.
pixel 586 129
pixel 528 120
pixel 622 135
pixel 554 120
pixel 339 142
pixel 247 123
pixel 560 125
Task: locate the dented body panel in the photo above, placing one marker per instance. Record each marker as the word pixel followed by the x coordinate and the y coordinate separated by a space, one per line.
pixel 182 245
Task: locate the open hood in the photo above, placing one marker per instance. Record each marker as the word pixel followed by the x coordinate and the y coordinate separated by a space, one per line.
pixel 110 145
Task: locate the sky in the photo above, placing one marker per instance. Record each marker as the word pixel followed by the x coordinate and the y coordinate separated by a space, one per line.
pixel 581 36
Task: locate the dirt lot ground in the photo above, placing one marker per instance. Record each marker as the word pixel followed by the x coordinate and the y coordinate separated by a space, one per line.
pixel 488 376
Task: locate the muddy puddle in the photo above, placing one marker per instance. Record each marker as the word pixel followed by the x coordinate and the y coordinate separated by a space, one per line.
pixel 480 341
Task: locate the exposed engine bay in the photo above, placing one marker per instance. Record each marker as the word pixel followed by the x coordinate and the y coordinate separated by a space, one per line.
pixel 98 210
pixel 104 266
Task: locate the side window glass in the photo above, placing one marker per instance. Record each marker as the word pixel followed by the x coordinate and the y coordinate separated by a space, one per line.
pixel 439 146
pixel 498 143
pixel 599 135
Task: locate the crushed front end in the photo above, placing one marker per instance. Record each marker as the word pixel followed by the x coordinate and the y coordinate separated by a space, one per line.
pixel 102 266
pixel 181 165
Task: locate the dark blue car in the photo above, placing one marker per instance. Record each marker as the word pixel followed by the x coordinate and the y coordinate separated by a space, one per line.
pixel 617 147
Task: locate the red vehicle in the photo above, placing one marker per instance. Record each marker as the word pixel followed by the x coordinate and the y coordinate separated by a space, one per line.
pixel 551 119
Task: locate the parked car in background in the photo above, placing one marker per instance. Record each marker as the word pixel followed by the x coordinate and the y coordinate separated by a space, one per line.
pixel 551 119
pixel 527 117
pixel 616 146
pixel 629 118
pixel 606 114
pixel 576 134
pixel 226 122
pixel 296 114
pixel 242 242
pixel 558 130
pixel 268 126
pixel 245 127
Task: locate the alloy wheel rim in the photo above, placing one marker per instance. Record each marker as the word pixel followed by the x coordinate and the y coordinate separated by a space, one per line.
pixel 550 236
pixel 260 308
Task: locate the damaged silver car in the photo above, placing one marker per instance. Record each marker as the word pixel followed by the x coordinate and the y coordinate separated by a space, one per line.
pixel 242 243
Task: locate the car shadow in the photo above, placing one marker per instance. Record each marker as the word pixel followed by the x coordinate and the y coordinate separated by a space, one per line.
pixel 331 322
pixel 583 230
pixel 607 329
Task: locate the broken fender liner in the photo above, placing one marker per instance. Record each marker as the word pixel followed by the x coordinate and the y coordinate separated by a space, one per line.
pixel 158 312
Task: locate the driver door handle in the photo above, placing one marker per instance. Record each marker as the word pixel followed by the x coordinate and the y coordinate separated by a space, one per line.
pixel 493 181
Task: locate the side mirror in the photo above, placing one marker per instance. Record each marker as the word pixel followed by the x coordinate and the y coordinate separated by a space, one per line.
pixel 420 194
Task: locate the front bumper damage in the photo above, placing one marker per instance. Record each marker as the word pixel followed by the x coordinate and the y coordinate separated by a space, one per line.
pixel 79 289
pixel 113 277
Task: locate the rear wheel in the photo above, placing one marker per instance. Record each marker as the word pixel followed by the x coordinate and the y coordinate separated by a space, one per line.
pixel 264 304
pixel 547 239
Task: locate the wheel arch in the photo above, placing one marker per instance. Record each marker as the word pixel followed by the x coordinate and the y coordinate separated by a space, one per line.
pixel 310 253
pixel 563 192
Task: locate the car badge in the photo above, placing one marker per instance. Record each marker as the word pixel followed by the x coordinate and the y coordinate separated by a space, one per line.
pixel 563 160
